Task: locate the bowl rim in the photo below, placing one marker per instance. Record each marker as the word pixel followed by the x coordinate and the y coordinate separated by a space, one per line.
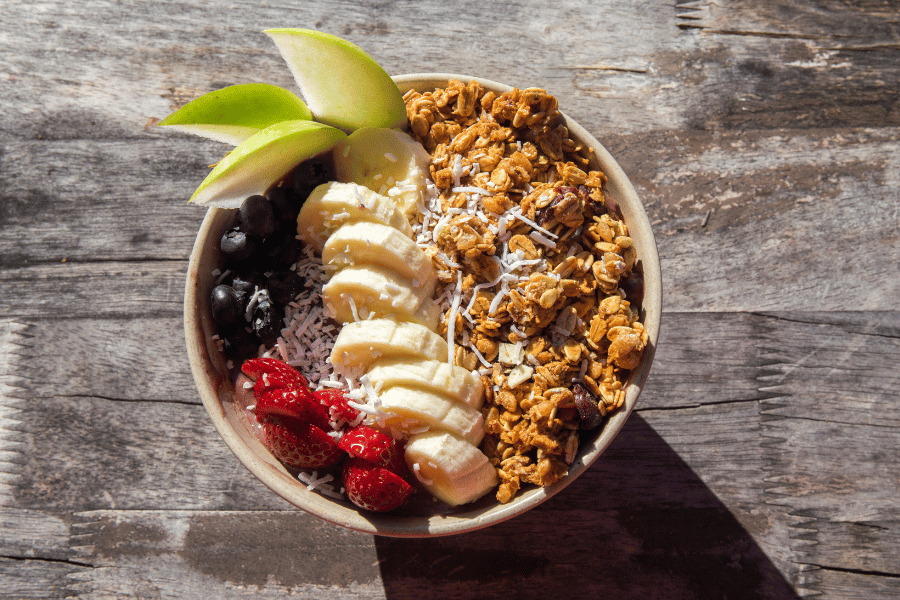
pixel 207 365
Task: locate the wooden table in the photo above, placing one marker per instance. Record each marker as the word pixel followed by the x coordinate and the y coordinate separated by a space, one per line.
pixel 762 462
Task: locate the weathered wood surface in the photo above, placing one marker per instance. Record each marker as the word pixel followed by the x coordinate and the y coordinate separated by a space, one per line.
pixel 764 139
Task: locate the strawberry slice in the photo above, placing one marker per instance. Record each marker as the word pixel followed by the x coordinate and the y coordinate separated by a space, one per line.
pixel 370 444
pixel 337 403
pixel 299 444
pixel 273 373
pixel 374 488
pixel 295 403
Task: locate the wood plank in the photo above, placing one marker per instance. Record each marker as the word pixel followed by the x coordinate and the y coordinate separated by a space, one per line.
pixel 35 534
pixel 62 290
pixel 89 200
pixel 636 553
pixel 768 211
pixel 167 455
pixel 830 19
pixel 732 234
pixel 143 358
pixel 34 579
pixel 763 138
pixel 842 584
pixel 115 358
pixel 684 377
pixel 836 368
pixel 864 543
pixel 122 454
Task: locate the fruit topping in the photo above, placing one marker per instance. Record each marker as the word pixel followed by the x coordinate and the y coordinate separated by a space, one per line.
pixel 234 113
pixel 308 429
pixel 338 406
pixel 299 444
pixel 343 85
pixel 270 373
pixel 285 204
pixel 256 216
pixel 589 414
pixel 225 305
pixel 284 286
pixel 264 157
pixel 310 174
pixel 372 445
pixel 374 488
pixel 238 246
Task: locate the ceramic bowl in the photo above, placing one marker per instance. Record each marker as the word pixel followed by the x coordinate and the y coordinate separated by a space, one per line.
pixel 214 382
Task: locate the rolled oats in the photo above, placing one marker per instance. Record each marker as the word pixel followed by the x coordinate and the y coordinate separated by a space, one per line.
pixel 541 251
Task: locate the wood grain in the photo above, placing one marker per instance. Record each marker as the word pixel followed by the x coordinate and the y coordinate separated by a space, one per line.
pixel 762 461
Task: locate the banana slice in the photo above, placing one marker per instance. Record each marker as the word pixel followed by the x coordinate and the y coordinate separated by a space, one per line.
pixel 364 243
pixel 359 344
pixel 451 468
pixel 332 204
pixel 387 161
pixel 458 383
pixel 412 408
pixel 380 292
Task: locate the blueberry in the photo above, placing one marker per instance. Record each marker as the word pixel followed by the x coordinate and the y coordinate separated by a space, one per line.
pixel 240 344
pixel 284 286
pixel 256 216
pixel 311 173
pixel 247 283
pixel 282 249
pixel 267 320
pixel 238 245
pixel 226 305
pixel 286 204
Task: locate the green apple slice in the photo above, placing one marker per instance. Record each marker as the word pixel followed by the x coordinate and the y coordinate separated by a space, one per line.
pixel 343 86
pixel 262 159
pixel 386 161
pixel 233 114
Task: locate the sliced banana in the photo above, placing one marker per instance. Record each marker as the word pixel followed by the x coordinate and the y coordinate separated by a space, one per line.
pixel 386 161
pixel 359 344
pixel 365 243
pixel 454 381
pixel 332 204
pixel 372 291
pixel 451 468
pixel 412 408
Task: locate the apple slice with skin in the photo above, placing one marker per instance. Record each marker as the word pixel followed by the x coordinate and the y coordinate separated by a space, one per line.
pixel 262 159
pixel 233 114
pixel 342 85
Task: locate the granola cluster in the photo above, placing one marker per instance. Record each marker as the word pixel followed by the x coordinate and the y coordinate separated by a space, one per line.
pixel 541 291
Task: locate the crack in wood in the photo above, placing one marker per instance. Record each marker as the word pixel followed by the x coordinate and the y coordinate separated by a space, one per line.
pixel 607 68
pixel 779 317
pixel 60 561
pixel 764 34
pixel 127 400
pixel 872 48
pixel 829 421
pixel 662 409
pixel 875 573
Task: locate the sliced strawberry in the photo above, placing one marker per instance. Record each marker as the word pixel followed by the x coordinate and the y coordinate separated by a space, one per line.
pixel 299 444
pixel 273 373
pixel 370 444
pixel 296 403
pixel 374 488
pixel 337 403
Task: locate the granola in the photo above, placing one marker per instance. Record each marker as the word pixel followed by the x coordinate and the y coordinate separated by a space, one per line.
pixel 534 261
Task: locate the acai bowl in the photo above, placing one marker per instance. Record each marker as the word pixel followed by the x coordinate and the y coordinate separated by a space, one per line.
pixel 547 341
